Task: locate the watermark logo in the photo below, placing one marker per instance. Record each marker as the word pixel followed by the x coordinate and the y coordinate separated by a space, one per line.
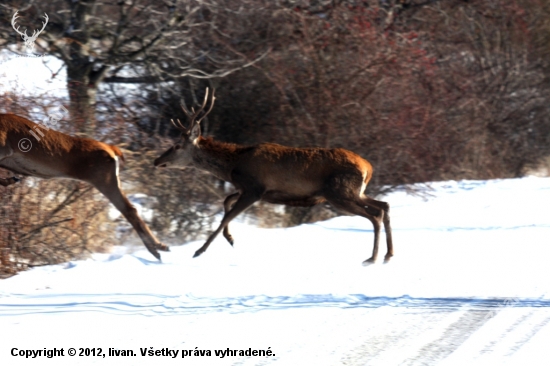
pixel 29 40
pixel 24 145
pixel 51 121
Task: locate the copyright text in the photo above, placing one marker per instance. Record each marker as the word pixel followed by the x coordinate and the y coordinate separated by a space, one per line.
pixel 143 352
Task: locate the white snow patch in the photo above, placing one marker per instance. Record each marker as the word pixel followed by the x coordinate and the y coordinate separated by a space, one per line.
pixel 468 285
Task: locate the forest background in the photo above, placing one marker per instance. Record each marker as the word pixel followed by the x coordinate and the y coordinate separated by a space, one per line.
pixel 426 90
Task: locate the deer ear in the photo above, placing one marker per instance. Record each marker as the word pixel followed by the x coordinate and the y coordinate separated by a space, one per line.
pixel 195 131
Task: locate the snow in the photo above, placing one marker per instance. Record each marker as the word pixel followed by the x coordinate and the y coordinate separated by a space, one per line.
pixel 30 76
pixel 468 286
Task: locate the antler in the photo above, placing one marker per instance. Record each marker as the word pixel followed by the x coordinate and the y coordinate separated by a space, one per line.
pixel 193 115
pixel 29 41
pixel 211 104
pixel 13 19
pixel 43 25
pixel 179 126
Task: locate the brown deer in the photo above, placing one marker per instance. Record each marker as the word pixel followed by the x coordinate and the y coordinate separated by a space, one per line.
pixel 30 149
pixel 280 175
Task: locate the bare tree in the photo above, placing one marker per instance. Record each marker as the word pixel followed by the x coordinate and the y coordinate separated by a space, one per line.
pixel 138 41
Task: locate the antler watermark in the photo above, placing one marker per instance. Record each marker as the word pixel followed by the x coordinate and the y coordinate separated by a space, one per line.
pixel 29 40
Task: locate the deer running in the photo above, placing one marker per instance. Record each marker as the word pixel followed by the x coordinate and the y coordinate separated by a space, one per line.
pixel 57 155
pixel 280 175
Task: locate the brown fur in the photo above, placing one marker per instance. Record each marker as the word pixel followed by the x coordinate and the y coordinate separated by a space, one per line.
pixel 57 155
pixel 282 175
pixel 117 152
pixel 54 142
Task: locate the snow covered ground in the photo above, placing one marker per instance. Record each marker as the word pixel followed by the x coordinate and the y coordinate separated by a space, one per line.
pixel 30 76
pixel 469 285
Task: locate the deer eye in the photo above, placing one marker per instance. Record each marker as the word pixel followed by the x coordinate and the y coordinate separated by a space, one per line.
pixel 177 147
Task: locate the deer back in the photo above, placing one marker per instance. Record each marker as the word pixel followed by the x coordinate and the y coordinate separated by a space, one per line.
pixel 55 154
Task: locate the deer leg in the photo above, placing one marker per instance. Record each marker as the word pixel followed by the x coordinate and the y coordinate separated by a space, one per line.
pixel 244 201
pixel 385 207
pixel 358 208
pixel 375 219
pixel 117 198
pixel 108 184
pixel 227 204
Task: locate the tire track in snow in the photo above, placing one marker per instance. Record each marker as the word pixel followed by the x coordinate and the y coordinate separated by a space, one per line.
pixel 527 336
pixel 450 339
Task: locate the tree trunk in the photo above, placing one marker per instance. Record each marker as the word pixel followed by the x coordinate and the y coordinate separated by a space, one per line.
pixel 82 81
pixel 82 97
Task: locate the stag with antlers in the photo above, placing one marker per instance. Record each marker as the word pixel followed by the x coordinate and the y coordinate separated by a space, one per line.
pixel 280 175
pixel 29 40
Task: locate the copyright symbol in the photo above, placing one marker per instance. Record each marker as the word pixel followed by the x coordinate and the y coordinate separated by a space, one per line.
pixel 72 352
pixel 24 145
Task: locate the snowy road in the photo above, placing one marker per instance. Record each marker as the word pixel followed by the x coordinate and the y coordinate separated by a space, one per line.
pixel 469 285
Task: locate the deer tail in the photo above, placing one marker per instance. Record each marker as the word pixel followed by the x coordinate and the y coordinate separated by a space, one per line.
pixel 118 153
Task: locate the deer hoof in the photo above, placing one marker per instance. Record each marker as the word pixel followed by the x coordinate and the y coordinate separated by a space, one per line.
pixel 197 253
pixel 155 254
pixel 162 247
pixel 387 258
pixel 229 238
pixel 369 262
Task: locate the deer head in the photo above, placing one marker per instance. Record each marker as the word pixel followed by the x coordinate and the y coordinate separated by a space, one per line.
pixel 29 40
pixel 180 154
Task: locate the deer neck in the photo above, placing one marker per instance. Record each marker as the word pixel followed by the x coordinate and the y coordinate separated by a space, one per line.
pixel 217 158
